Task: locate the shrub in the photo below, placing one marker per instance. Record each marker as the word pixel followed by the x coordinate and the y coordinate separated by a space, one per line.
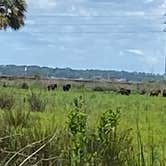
pixel 7 101
pixel 24 85
pixel 115 147
pixel 36 103
pixel 99 89
pixel 77 123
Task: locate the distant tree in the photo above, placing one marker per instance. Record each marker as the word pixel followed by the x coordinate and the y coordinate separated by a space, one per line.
pixel 12 13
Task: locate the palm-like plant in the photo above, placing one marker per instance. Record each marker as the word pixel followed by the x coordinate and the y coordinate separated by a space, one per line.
pixel 12 13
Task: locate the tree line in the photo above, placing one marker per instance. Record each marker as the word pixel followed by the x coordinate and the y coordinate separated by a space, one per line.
pixel 47 72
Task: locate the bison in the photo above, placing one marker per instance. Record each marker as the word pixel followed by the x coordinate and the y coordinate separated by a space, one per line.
pixel 164 93
pixel 124 91
pixel 66 87
pixel 155 92
pixel 52 87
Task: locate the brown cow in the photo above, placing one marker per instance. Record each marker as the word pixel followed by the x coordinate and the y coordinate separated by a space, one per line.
pixel 155 92
pixel 124 91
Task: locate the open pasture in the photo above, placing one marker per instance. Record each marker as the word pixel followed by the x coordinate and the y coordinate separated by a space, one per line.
pixel 76 127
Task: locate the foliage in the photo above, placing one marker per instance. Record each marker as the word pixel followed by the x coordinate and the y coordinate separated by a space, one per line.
pixel 12 13
pixel 36 102
pixel 75 74
pixel 7 101
pixel 24 85
pixel 16 118
pixel 70 134
pixel 116 146
pixel 77 127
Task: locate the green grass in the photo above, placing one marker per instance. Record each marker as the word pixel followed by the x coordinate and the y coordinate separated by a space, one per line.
pixel 144 115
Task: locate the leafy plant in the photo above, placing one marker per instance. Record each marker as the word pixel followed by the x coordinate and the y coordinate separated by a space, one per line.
pixel 115 147
pixel 77 122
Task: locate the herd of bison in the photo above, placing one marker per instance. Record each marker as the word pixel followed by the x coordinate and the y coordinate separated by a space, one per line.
pixel 122 91
pixel 127 92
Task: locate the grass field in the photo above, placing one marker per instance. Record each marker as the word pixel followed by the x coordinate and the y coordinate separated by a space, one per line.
pixel 44 128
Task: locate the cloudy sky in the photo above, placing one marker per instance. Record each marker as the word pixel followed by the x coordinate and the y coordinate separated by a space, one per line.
pixel 89 34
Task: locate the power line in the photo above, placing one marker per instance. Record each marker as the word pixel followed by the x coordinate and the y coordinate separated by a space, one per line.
pixel 88 24
pixel 97 32
pixel 98 16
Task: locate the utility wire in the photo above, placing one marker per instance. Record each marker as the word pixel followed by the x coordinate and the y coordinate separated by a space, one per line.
pixel 90 16
pixel 89 24
pixel 97 32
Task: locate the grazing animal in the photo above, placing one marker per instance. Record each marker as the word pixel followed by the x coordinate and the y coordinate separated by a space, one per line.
pixel 124 91
pixel 66 87
pixel 164 93
pixel 52 87
pixel 155 92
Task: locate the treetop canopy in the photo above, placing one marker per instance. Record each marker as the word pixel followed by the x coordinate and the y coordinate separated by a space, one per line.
pixel 12 13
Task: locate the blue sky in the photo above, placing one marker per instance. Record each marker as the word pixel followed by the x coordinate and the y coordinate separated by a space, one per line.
pixel 89 34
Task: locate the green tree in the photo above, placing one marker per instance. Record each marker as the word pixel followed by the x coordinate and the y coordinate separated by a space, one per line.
pixel 12 13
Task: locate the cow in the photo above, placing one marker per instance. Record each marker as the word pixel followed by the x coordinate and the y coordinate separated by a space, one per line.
pixel 124 91
pixel 164 93
pixel 52 87
pixel 66 87
pixel 155 92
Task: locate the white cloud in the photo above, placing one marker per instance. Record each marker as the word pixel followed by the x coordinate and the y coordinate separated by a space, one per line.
pixel 136 13
pixel 163 5
pixel 42 4
pixel 148 1
pixel 135 51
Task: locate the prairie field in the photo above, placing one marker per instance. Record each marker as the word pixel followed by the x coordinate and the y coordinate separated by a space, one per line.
pixel 81 127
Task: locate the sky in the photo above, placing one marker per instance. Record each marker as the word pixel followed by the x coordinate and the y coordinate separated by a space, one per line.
pixel 89 34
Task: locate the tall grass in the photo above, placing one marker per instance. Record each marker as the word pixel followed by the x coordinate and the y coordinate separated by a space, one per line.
pixel 82 128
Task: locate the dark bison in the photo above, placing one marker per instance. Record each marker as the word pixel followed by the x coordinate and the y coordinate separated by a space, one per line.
pixel 52 87
pixel 155 92
pixel 66 87
pixel 124 91
pixel 164 93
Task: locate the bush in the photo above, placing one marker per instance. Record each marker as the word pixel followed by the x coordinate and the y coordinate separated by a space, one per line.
pixel 24 85
pixel 7 101
pixel 116 147
pixel 100 89
pixel 105 146
pixel 36 103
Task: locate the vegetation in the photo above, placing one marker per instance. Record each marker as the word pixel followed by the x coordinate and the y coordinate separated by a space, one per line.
pixel 82 127
pixel 39 72
pixel 12 13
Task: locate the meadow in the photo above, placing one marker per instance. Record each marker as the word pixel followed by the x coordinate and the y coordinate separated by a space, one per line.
pixel 81 127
